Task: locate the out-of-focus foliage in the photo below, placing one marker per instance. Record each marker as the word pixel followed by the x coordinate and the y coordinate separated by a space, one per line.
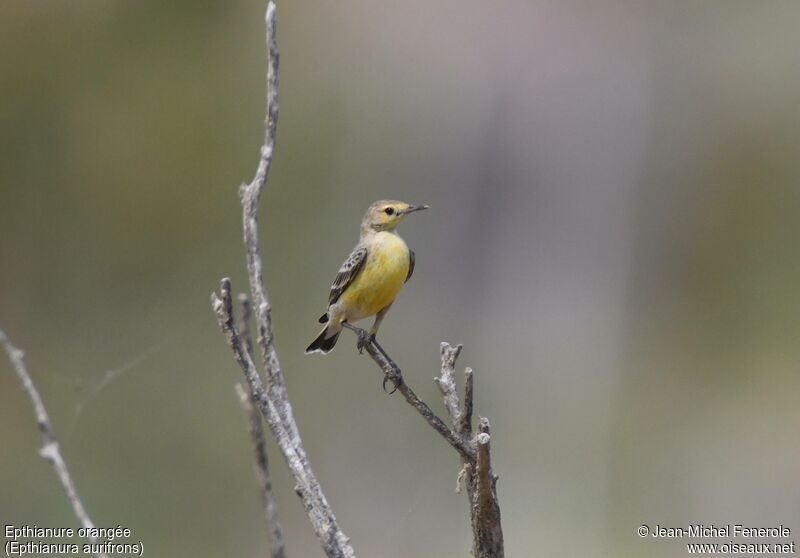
pixel 613 236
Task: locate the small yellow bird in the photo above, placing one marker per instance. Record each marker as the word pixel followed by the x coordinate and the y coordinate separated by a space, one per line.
pixel 371 277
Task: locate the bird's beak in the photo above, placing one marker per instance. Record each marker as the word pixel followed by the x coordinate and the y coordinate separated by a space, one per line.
pixel 413 208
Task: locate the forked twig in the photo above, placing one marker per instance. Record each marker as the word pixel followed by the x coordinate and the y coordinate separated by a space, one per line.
pixel 476 471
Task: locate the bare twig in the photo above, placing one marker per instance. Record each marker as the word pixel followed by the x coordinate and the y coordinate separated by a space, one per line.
pixel 465 425
pixel 422 408
pixel 476 471
pixel 392 372
pixel 50 451
pixel 277 545
pixel 447 382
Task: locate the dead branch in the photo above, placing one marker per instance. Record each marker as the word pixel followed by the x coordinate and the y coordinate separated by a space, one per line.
pixel 263 478
pixel 476 471
pixel 274 529
pixel 333 541
pixel 273 401
pixel 465 425
pixel 393 374
pixel 447 382
pixel 50 450
pixel 487 532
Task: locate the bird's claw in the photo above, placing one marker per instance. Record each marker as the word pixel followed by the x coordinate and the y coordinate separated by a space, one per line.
pixel 364 339
pixel 393 377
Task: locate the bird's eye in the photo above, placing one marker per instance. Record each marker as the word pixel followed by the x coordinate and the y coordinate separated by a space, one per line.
pixel 389 211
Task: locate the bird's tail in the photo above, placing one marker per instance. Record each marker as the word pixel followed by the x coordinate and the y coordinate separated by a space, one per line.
pixel 325 341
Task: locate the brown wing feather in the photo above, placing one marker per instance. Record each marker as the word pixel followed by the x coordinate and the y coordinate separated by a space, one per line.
pixel 411 261
pixel 347 273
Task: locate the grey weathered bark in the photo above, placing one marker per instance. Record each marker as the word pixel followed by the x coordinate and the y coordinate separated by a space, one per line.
pixel 487 532
pixel 280 420
pixel 273 401
pixel 50 451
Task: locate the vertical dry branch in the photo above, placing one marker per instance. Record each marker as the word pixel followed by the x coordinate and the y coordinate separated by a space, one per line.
pixel 487 533
pixel 261 460
pixel 246 310
pixel 50 451
pixel 274 529
pixel 447 382
pixel 273 401
pixel 263 478
pixel 464 426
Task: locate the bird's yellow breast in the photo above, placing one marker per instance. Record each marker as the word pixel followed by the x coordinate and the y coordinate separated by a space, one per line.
pixel 381 278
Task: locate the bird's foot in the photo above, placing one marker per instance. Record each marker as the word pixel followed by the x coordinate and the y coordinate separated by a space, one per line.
pixel 363 337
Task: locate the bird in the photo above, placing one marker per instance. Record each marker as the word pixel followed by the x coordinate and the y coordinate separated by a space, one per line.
pixel 370 278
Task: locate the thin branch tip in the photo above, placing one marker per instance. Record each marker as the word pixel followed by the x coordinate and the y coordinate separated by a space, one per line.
pixel 449 351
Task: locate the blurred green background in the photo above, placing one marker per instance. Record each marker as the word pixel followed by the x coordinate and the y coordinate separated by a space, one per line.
pixel 615 191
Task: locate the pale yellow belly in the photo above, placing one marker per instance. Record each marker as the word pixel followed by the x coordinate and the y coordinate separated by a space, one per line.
pixel 381 279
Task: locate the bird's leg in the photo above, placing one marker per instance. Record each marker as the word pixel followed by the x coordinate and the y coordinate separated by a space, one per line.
pixel 374 330
pixel 393 372
pixel 377 323
pixel 392 375
pixel 363 336
pixel 377 345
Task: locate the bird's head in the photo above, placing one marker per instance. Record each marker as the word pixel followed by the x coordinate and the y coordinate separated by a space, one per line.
pixel 385 215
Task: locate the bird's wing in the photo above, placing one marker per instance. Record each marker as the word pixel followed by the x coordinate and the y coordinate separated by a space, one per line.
pixel 411 261
pixel 349 270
